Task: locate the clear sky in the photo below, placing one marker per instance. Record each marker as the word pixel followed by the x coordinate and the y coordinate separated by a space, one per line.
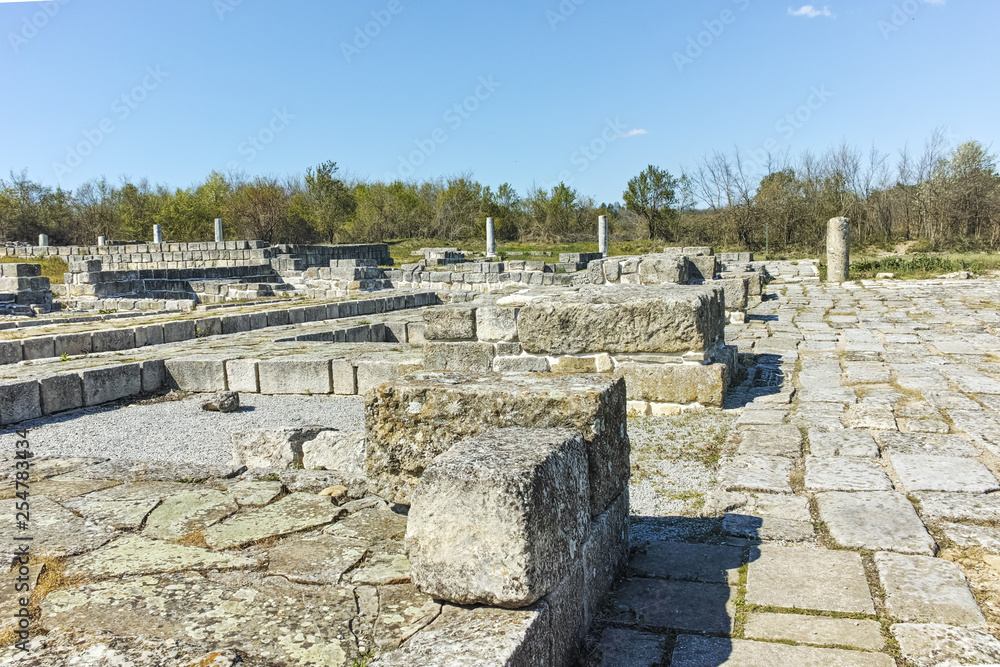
pixel 528 92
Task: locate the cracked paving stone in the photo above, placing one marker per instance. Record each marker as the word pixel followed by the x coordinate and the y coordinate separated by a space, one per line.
pixel 959 507
pixel 761 417
pixel 781 440
pixel 373 526
pixel 922 589
pixel 138 555
pixel 294 512
pixel 249 493
pixel 845 473
pixel 115 514
pixel 314 558
pixel 922 425
pixel 874 520
pixel 757 473
pixel 273 621
pixel 383 570
pixel 45 467
pixel 61 491
pixel 402 612
pixel 189 512
pixel 821 630
pixel 939 645
pixel 770 517
pixel 10 596
pixel 628 648
pixel 870 416
pixel 678 605
pixel 986 538
pixel 943 473
pixel 819 415
pixel 936 445
pixel 808 578
pixel 699 651
pixel 845 442
pixel 688 562
pixel 150 471
pixel 57 532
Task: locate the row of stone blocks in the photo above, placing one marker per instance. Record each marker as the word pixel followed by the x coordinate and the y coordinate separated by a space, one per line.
pixel 197 257
pixel 321 255
pixel 655 269
pixel 127 338
pixel 478 281
pixel 76 250
pixel 662 339
pixel 23 285
pixel 518 495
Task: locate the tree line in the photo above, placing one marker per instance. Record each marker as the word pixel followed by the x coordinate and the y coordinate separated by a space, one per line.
pixel 947 198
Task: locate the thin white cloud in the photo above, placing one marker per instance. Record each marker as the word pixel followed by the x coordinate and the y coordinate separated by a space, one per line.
pixel 634 133
pixel 810 12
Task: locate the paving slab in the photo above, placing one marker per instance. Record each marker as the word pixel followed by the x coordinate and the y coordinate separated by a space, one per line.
pixel 403 611
pixel 699 651
pixel 808 578
pixel 189 512
pixel 780 440
pixel 314 558
pixel 871 416
pixel 767 516
pixel 254 494
pixel 628 648
pixel 56 532
pixel 115 514
pixel 679 605
pixel 137 555
pixel 845 473
pixel 938 645
pixel 820 630
pixel 919 472
pixel 959 507
pixel 383 570
pixel 921 589
pixel 688 562
pixel 845 442
pixel 965 536
pixel 874 520
pixel 932 444
pixel 757 473
pixel 294 512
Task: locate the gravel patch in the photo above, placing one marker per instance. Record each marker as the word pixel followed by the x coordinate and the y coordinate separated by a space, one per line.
pixel 180 431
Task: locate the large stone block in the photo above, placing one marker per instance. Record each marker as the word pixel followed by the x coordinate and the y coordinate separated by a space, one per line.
pixel 500 518
pixel 470 357
pixel 241 375
pixel 703 267
pixel 295 376
pixel 42 347
pixel 737 292
pixel 73 344
pixel 110 383
pixel 496 324
pixel 265 448
pixel 113 340
pixel 60 393
pixel 196 374
pixel 339 451
pixel 154 375
pixel 174 332
pixel 373 372
pixel 11 352
pixel 623 319
pixel 150 334
pixel 675 383
pixel 605 554
pixel 662 270
pixel 19 401
pixel 412 422
pixel 450 323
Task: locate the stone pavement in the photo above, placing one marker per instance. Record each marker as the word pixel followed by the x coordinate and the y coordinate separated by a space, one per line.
pixel 849 516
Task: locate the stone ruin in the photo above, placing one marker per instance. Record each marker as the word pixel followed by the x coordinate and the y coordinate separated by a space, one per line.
pixel 496 399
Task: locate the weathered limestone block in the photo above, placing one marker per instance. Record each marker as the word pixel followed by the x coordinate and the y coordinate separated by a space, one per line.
pixel 265 448
pixel 500 518
pixel 675 383
pixel 661 270
pixel 113 340
pixel 523 364
pixel 373 372
pixel 72 344
pixel 196 374
pixel 60 393
pixel 42 347
pixel 702 267
pixel 623 319
pixel 174 332
pixel 154 375
pixel 110 383
pixel 470 357
pixel 737 291
pixel 295 375
pixel 19 401
pixel 412 422
pixel 496 324
pixel 336 450
pixel 450 323
pixel 10 352
pixel 241 375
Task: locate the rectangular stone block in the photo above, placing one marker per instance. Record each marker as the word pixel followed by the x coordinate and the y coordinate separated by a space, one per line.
pixel 450 323
pixel 296 315
pixel 154 375
pixel 499 518
pixel 113 340
pixel 277 318
pixel 196 374
pixel 60 393
pixel 409 423
pixel 110 383
pixel 606 554
pixel 496 324
pixel 235 324
pixel 471 357
pixel 73 344
pixel 207 326
pixel 241 375
pixel 295 376
pixel 180 330
pixel 42 347
pixel 11 352
pixel 258 321
pixel 19 401
pixel 344 377
pixel 415 333
pixel 702 267
pixel 150 334
pixel 20 270
pixel 675 383
pixel 623 319
pixel 737 291
pixel 372 373
pixel 520 364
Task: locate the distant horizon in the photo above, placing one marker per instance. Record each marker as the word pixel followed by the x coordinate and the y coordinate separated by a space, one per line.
pixel 570 91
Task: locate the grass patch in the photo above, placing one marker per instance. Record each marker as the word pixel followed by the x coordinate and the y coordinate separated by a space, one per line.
pixel 53 268
pixel 924 266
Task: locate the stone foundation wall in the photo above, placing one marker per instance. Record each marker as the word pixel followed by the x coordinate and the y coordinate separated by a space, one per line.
pixel 23 287
pixel 321 255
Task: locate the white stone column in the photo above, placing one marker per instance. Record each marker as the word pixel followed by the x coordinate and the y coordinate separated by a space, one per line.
pixel 43 240
pixel 157 234
pixel 101 240
pixel 838 250
pixel 218 230
pixel 491 242
pixel 602 235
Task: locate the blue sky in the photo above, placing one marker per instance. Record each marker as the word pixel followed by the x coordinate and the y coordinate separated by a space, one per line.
pixel 526 92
